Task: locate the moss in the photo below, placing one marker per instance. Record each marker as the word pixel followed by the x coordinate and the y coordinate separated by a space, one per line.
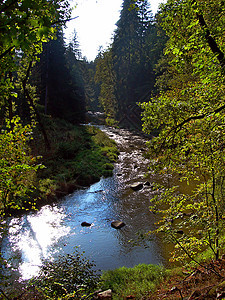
pixel 79 156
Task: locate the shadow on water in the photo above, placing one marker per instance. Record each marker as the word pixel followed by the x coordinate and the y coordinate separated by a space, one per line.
pixel 57 229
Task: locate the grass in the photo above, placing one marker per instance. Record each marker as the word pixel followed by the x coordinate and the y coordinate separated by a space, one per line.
pixel 136 282
pixel 79 156
pixel 155 282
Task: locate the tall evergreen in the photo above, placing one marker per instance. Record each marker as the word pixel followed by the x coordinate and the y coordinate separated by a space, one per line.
pixel 62 92
pixel 125 54
pixel 92 89
pixel 125 71
pixel 105 76
pixel 132 54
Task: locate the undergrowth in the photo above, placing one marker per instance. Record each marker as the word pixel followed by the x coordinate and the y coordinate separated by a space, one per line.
pixel 137 281
pixel 68 277
pixel 79 156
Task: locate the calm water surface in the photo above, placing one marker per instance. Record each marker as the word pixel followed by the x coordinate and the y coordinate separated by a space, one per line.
pixel 57 229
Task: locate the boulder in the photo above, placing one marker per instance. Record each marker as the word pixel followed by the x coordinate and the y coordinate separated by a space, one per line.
pixel 136 186
pixel 117 224
pixel 105 295
pixel 85 224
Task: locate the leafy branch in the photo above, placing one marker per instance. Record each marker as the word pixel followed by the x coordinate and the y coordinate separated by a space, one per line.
pixel 199 117
pixel 210 40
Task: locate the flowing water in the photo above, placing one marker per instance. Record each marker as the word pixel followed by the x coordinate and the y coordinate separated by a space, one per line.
pixel 57 229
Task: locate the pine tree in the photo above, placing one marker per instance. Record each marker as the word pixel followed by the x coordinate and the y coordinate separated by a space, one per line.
pixel 62 90
pixel 105 76
pixel 125 54
pixel 132 52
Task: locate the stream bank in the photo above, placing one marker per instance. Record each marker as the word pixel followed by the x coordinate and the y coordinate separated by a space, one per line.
pixel 56 229
pixel 79 156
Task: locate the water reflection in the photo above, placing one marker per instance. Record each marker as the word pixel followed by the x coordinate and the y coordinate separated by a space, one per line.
pixel 33 237
pixel 57 229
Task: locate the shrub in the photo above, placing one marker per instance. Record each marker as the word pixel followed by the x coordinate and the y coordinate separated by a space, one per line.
pixel 47 186
pixel 68 150
pixel 70 276
pixel 110 121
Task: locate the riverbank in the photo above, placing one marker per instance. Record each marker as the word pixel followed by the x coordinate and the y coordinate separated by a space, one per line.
pixel 76 157
pixel 79 156
pixel 152 282
pixel 142 282
pixel 107 200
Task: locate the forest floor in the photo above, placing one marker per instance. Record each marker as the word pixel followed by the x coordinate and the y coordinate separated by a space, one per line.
pixel 204 282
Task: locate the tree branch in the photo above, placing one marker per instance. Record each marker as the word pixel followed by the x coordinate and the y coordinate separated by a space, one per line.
pixel 210 40
pixel 1 291
pixel 64 21
pixel 199 117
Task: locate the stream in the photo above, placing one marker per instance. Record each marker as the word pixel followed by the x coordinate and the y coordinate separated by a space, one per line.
pixel 57 229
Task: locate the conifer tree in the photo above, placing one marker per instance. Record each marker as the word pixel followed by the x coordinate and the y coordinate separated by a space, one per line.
pixel 65 96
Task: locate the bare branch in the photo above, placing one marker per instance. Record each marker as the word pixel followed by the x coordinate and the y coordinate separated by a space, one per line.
pixel 64 21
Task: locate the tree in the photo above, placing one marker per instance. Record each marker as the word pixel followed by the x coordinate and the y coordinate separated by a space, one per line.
pixel 125 71
pixel 74 46
pixel 125 53
pixel 74 64
pixel 17 166
pixel 105 76
pixel 91 88
pixel 69 277
pixel 25 26
pixel 189 114
pixel 65 95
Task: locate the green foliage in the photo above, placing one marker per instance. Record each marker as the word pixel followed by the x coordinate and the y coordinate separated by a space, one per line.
pixel 130 61
pixel 47 186
pixel 105 76
pixel 137 281
pixel 125 70
pixel 91 87
pixel 17 166
pixel 100 137
pixel 189 114
pixel 68 277
pixel 67 150
pixel 80 155
pixel 110 121
pixel 34 22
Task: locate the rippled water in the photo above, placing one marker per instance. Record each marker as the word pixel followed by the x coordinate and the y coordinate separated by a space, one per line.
pixel 57 229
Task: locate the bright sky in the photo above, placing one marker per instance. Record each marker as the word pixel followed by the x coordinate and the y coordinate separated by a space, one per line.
pixel 96 23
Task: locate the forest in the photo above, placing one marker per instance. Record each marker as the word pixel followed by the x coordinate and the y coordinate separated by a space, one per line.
pixel 163 74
